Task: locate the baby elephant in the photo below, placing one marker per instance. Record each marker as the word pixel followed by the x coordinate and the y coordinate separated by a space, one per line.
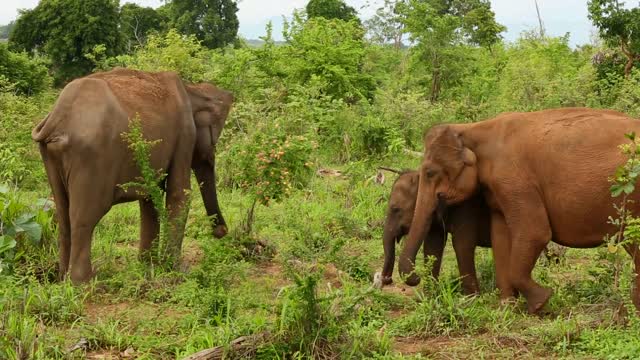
pixel 468 222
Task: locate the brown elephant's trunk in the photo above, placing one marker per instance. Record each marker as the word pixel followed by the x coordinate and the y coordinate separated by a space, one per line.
pixel 389 243
pixel 422 217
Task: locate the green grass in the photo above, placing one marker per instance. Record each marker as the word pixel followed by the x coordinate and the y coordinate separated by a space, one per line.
pixel 312 294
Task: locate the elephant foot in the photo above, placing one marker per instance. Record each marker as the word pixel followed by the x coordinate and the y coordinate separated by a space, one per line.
pixel 508 301
pixel 471 290
pixel 81 277
pixel 379 280
pixel 220 231
pixel 537 298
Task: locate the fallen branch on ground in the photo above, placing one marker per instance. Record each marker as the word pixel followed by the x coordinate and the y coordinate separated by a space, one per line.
pixel 240 348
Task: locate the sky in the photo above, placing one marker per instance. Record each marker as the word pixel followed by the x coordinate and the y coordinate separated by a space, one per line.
pixel 559 16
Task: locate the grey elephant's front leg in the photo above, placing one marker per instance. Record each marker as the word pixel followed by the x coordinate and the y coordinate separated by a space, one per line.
pixel 149 228
pixel 464 245
pixel 206 175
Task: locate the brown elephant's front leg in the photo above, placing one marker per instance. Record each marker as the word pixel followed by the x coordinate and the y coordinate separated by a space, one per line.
pixel 464 244
pixel 434 246
pixel 149 228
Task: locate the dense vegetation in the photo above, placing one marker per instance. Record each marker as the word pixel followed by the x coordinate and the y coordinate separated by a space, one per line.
pixel 314 117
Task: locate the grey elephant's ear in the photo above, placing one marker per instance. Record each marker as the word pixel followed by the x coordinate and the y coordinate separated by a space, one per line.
pixel 469 157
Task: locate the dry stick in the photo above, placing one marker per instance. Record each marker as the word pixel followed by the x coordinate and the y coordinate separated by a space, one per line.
pixel 238 348
pixel 389 169
pixel 539 20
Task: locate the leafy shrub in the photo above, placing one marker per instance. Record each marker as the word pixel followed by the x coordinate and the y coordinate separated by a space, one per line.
pixel 542 73
pixel 21 227
pixel 332 50
pixel 170 52
pixel 21 73
pixel 270 163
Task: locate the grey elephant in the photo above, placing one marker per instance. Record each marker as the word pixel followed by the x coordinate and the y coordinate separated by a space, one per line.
pixel 87 160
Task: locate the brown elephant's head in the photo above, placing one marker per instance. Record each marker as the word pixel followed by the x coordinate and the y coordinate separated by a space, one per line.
pixel 397 223
pixel 448 175
pixel 210 106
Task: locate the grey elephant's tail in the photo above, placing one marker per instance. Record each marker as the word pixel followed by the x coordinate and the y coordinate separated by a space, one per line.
pixel 43 132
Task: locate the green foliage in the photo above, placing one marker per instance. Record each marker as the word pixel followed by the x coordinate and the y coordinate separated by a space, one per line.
pixel 214 22
pixel 541 73
pixel 618 26
pixel 5 30
pixel 440 28
pixel 331 9
pixel 136 22
pixel 387 25
pixel 165 251
pixel 272 163
pixel 169 52
pixel 329 53
pixel 623 183
pixel 21 74
pixel 21 227
pixel 66 30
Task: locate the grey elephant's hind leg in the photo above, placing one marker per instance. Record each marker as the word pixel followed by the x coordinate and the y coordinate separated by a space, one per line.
pixel 149 229
pixel 88 203
pixel 64 226
pixel 178 187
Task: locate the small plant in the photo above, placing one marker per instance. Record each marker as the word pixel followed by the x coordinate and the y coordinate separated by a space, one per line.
pixel 20 227
pixel 165 251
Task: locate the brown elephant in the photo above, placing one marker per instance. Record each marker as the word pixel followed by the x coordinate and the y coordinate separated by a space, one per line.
pixel 87 160
pixel 468 222
pixel 543 174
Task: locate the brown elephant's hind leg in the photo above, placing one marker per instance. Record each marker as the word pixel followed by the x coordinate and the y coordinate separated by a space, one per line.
pixel 530 232
pixel 149 228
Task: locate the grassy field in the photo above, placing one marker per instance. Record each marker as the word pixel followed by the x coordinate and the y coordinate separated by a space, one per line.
pixel 303 276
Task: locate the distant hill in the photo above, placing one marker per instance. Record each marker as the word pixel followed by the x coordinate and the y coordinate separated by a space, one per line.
pixel 259 43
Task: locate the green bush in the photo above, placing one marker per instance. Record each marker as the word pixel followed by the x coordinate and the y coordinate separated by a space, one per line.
pixel 270 163
pixel 332 50
pixel 21 74
pixel 22 227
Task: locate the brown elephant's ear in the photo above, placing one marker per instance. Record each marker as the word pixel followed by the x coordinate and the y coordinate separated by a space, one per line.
pixel 444 147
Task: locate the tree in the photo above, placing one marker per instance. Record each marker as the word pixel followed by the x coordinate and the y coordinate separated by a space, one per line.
pixel 214 22
pixel 618 27
pixel 331 9
pixel 387 25
pixel 5 30
pixel 442 27
pixel 22 74
pixel 67 30
pixel 328 53
pixel 136 22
